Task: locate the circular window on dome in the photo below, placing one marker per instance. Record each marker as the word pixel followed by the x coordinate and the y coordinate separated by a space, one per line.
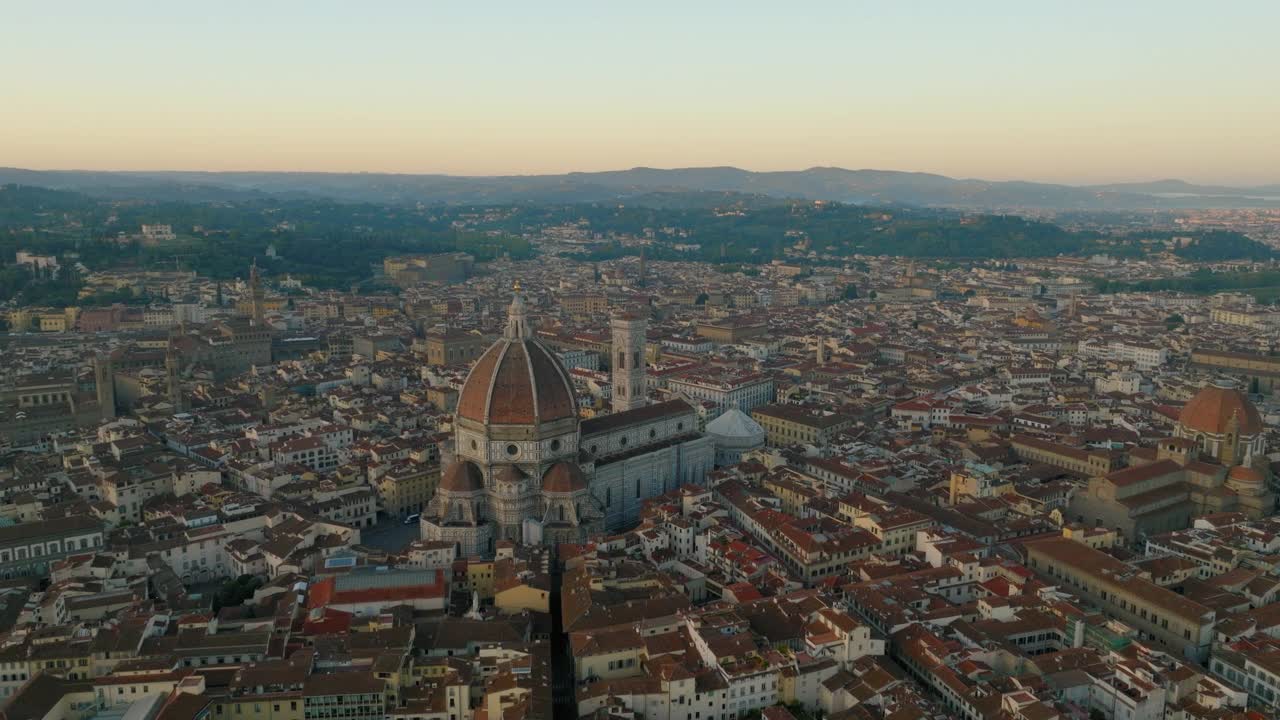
pixel 679 426
pixel 653 433
pixel 555 445
pixel 623 442
pixel 513 450
pixel 595 449
pixel 474 445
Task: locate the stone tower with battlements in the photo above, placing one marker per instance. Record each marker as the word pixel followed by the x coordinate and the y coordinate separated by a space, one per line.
pixel 257 295
pixel 104 382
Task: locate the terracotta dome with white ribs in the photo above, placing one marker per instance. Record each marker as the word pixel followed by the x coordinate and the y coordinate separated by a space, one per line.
pixel 518 381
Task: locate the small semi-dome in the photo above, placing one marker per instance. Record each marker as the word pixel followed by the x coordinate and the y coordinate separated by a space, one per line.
pixel 564 477
pixel 462 477
pixel 1241 474
pixel 1212 410
pixel 508 474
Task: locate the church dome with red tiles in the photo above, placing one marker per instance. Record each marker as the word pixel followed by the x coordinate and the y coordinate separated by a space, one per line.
pixel 564 477
pixel 1213 408
pixel 462 477
pixel 518 380
pixel 509 474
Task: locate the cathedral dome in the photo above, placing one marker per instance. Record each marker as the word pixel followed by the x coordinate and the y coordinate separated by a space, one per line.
pixel 462 477
pixel 518 380
pixel 1211 410
pixel 564 477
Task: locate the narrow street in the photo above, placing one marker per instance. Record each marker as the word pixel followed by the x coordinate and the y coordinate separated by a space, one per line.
pixel 561 660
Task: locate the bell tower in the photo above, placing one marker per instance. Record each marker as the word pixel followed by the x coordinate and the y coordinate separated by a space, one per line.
pixel 172 367
pixel 257 297
pixel 628 360
pixel 105 383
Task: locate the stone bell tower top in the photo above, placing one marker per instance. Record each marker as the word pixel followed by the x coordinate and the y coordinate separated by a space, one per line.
pixel 628 360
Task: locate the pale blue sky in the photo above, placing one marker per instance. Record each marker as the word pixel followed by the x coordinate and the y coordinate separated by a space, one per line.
pixel 1071 92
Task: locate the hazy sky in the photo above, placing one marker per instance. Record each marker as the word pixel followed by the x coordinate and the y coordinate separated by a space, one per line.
pixel 1037 89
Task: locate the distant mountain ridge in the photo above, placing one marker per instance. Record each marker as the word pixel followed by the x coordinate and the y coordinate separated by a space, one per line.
pixel 879 187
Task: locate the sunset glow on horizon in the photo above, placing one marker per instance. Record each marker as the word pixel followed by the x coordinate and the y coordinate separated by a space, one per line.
pixel 1091 92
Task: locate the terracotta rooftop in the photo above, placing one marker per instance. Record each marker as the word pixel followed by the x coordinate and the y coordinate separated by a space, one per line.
pixel 1141 473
